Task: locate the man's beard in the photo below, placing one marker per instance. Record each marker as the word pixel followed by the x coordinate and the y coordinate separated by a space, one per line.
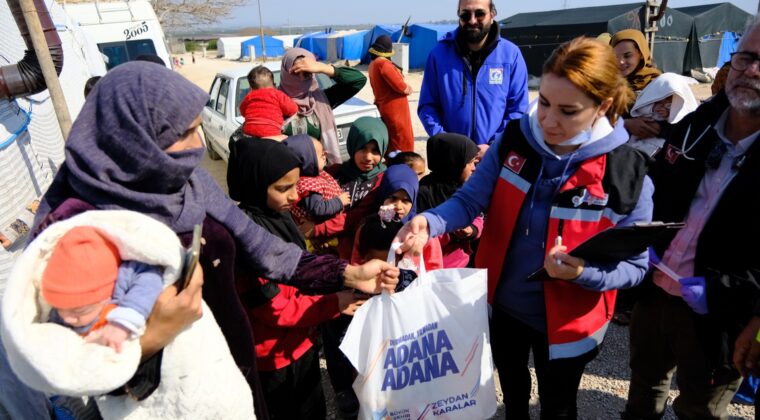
pixel 475 34
pixel 740 99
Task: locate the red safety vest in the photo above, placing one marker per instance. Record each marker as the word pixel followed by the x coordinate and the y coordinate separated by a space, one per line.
pixel 588 203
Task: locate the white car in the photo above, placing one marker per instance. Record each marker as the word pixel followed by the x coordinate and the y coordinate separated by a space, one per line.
pixel 221 116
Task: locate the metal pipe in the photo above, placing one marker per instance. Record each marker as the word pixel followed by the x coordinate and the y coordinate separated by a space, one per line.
pixel 49 70
pixel 25 77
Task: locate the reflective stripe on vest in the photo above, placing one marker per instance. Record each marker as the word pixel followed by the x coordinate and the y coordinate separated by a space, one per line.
pixel 576 348
pixel 576 318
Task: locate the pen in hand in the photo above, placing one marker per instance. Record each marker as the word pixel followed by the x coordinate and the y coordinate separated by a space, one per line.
pixel 558 242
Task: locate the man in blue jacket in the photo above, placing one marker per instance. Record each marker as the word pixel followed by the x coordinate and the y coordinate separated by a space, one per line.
pixel 475 80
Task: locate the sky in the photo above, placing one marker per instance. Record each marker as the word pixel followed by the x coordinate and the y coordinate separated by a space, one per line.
pixel 341 12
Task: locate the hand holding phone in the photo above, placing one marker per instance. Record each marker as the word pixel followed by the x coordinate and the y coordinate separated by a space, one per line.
pixel 191 259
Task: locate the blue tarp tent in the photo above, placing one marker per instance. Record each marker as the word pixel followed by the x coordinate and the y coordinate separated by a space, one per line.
pixel 727 46
pixel 353 45
pixel 334 45
pixel 274 47
pixel 372 35
pixel 306 41
pixel 325 46
pixel 422 38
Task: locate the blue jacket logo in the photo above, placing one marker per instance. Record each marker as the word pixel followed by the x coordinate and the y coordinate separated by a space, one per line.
pixel 495 76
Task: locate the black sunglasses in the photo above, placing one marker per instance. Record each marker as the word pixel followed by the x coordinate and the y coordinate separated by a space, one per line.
pixel 466 15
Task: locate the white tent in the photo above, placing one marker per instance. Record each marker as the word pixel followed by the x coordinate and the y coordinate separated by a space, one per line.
pixel 31 145
pixel 229 47
pixel 287 40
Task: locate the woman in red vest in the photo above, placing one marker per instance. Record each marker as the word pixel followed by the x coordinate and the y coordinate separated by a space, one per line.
pixel 558 176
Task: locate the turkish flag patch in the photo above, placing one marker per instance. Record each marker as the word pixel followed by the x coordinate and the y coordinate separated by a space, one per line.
pixel 514 162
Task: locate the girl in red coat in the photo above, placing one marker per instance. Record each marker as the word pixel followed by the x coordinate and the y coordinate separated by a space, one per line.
pixel 391 91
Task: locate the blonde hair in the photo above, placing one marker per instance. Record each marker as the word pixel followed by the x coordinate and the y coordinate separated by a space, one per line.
pixel 592 67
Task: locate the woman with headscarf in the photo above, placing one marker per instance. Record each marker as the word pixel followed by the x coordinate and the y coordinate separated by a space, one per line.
pixel 452 158
pixel 315 117
pixel 667 100
pixel 391 93
pixel 635 63
pixel 127 151
pixel 283 319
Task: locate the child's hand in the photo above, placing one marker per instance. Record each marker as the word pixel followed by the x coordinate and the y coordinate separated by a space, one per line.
pixel 320 245
pixel 307 228
pixel 345 198
pixel 5 242
pixel 112 335
pixel 464 233
pixel 642 127
pixel 349 302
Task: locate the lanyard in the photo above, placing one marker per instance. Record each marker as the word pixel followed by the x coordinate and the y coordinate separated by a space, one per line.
pixel 683 152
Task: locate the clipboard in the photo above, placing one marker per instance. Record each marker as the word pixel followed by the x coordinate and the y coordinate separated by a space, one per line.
pixel 619 243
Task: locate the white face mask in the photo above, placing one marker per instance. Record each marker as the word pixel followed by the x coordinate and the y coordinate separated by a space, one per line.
pixel 579 139
pixel 599 128
pixel 583 137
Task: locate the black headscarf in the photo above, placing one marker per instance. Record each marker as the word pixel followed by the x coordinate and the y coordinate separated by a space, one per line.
pixel 259 164
pixel 303 146
pixel 447 155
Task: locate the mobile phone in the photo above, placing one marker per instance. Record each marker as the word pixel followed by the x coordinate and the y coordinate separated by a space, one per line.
pixel 191 259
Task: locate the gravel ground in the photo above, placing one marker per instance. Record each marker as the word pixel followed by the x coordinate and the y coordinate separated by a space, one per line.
pixel 603 390
pixel 604 387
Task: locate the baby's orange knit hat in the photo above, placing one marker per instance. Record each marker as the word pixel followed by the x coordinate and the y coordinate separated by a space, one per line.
pixel 82 269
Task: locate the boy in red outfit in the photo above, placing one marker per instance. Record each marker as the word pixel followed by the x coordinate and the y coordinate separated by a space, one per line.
pixel 265 108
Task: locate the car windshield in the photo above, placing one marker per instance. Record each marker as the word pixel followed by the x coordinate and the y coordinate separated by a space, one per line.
pixel 243 87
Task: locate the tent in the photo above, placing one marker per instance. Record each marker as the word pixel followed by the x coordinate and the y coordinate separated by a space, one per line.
pixel 421 39
pixel 334 46
pixel 371 36
pixel 288 40
pixel 353 45
pixel 538 34
pixel 229 47
pixel 323 45
pixel 274 47
pixel 727 46
pixel 31 144
pixel 714 33
pixel 306 41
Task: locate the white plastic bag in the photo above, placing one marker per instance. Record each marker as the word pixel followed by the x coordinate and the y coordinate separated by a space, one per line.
pixel 425 352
